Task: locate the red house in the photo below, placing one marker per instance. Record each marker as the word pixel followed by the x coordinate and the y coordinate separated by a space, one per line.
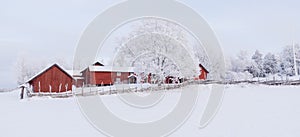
pixel 98 74
pixel 203 72
pixel 52 79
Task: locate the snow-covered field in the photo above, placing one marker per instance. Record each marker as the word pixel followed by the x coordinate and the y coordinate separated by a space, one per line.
pixel 246 111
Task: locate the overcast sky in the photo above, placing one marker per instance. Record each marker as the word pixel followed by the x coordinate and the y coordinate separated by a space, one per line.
pixel 50 29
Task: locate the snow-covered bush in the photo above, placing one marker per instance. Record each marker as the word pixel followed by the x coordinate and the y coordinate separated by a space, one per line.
pixel 238 76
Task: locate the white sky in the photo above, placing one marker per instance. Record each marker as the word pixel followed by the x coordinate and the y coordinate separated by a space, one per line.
pixel 51 28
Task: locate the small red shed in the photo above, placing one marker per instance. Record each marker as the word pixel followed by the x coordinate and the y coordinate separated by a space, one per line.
pixel 149 77
pixel 203 72
pixel 78 80
pixel 52 79
pixel 170 80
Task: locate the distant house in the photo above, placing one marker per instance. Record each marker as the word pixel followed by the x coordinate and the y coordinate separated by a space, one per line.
pixel 132 79
pixel 98 74
pixel 203 72
pixel 51 79
pixel 77 76
pixel 170 80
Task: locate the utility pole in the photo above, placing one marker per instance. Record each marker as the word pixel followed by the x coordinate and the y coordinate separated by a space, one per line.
pixel 295 60
pixel 294 52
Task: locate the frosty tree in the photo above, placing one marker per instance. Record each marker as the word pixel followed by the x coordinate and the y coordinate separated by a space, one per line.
pixel 256 65
pixel 296 55
pixel 237 67
pixel 287 60
pixel 22 70
pixel 160 47
pixel 26 68
pixel 240 63
pixel 270 64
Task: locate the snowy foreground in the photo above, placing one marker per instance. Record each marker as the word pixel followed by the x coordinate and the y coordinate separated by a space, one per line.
pixel 246 111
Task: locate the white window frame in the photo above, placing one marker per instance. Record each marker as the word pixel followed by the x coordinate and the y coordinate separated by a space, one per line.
pixel 119 74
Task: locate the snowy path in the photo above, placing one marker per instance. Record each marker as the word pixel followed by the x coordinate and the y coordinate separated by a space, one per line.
pixel 251 111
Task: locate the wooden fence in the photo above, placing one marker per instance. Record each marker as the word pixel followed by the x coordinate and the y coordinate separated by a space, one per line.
pixel 121 89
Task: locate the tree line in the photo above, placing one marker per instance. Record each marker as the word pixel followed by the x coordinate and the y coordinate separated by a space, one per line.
pixel 245 67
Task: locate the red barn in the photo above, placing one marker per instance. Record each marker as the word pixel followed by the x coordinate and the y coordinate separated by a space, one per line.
pixel 52 79
pixel 98 75
pixel 203 72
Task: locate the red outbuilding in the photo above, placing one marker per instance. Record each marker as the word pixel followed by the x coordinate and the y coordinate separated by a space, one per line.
pixel 98 75
pixel 203 72
pixel 78 80
pixel 52 79
pixel 170 80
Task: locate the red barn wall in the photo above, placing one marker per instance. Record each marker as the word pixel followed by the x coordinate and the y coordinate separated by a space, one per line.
pixel 124 76
pixel 86 74
pixel 97 78
pixel 107 78
pixel 54 77
pixel 203 75
pixel 78 82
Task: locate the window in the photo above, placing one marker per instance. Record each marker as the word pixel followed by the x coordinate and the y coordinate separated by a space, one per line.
pixel 119 74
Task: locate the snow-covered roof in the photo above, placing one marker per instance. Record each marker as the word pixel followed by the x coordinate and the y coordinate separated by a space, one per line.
pixel 132 75
pixel 76 78
pixel 202 67
pixel 47 68
pixel 22 85
pixel 74 72
pixel 110 69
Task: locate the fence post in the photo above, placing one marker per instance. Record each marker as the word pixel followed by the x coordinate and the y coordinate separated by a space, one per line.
pixel 82 90
pixel 66 86
pixel 50 88
pixel 123 88
pixel 110 88
pixel 22 92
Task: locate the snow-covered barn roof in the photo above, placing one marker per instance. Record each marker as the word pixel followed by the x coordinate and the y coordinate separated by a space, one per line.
pixel 200 65
pixel 110 69
pixel 46 69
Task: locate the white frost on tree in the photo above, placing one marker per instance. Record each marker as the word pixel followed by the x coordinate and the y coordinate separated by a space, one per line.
pixel 287 60
pixel 26 68
pixel 256 65
pixel 270 64
pixel 160 47
pixel 237 67
pixel 240 63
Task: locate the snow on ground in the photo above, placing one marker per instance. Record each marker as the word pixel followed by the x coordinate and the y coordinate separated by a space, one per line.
pixel 246 111
pixel 44 117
